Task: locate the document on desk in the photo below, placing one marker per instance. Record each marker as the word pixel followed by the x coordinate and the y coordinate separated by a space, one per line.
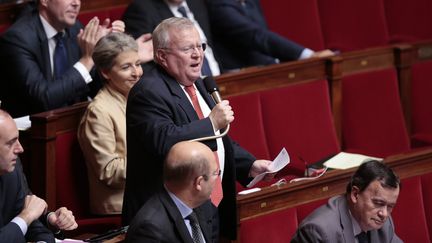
pixel 344 160
pixel 278 163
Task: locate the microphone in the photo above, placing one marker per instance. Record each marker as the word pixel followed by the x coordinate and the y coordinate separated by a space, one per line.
pixel 213 90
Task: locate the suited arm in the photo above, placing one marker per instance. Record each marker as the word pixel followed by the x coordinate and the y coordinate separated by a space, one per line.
pixel 152 114
pixel 144 232
pixel 243 163
pixel 137 19
pixel 229 20
pixel 21 60
pixel 309 234
pixel 96 135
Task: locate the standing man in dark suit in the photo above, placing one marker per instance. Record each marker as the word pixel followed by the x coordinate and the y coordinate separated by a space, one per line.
pixel 45 58
pixel 362 215
pixel 160 113
pixel 242 38
pixel 189 175
pixel 142 16
pixel 20 211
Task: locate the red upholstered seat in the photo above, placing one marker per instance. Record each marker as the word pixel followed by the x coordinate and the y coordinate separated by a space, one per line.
pixel 305 209
pixel 276 227
pixel 72 187
pixel 372 118
pixel 85 16
pixel 421 103
pixel 426 181
pixel 296 20
pixel 117 12
pixel 298 117
pixel 247 128
pixel 409 215
pixel 408 20
pixel 353 25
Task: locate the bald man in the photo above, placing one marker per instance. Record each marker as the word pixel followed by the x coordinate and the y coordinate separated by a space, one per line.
pixel 19 220
pixel 190 172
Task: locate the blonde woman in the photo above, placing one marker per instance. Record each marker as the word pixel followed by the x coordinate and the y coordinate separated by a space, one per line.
pixel 102 131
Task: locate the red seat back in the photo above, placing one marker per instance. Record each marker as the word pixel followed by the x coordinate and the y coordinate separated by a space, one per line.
pixel 298 117
pixel 372 118
pixel 305 209
pixel 421 103
pixel 408 20
pixel 247 128
pixel 72 184
pixel 278 227
pixel 296 20
pixel 353 25
pixel 427 199
pixel 409 215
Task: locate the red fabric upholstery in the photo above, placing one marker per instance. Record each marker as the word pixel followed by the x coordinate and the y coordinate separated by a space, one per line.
pixel 408 20
pixel 72 186
pixel 409 213
pixel 247 128
pixel 117 12
pixel 427 199
pixel 86 16
pixel 372 119
pixel 296 20
pixel 299 118
pixel 4 27
pixel 304 210
pixel 353 25
pixel 276 227
pixel 421 103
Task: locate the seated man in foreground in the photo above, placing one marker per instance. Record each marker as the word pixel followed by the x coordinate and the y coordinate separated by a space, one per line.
pixel 21 211
pixel 182 211
pixel 361 215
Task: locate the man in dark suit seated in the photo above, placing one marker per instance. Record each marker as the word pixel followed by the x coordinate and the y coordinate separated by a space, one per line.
pixel 189 175
pixel 142 16
pixel 20 211
pixel 242 38
pixel 169 105
pixel 361 215
pixel 45 58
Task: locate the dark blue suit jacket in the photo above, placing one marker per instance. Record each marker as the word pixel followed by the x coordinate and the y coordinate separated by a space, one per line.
pixel 159 220
pixel 27 85
pixel 242 38
pixel 159 115
pixel 13 190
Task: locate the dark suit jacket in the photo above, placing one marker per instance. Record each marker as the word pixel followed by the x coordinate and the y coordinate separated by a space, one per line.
pixel 13 190
pixel 27 85
pixel 332 223
pixel 158 115
pixel 242 38
pixel 159 220
pixel 142 16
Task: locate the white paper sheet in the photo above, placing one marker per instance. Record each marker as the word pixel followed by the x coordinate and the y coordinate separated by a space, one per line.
pixel 278 163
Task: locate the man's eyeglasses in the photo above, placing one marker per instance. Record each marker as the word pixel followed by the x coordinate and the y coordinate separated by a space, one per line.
pixel 189 49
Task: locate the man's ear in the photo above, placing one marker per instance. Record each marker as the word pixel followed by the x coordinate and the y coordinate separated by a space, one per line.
pixel 198 183
pixel 355 191
pixel 161 57
pixel 43 2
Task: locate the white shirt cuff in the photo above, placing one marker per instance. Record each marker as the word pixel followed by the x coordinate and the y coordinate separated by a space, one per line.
pixel 306 53
pixel 83 71
pixel 21 223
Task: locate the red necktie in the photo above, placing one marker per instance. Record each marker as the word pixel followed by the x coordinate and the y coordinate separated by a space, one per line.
pixel 217 193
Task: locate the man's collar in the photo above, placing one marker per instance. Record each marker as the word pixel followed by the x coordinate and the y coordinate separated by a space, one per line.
pixel 50 31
